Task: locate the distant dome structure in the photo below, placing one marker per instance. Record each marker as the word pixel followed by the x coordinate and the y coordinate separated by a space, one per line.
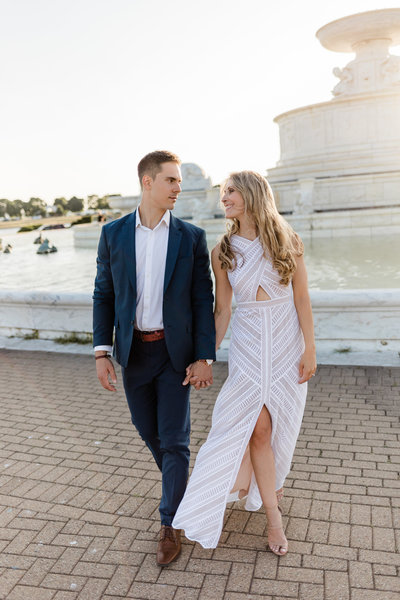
pixel 194 178
pixel 198 200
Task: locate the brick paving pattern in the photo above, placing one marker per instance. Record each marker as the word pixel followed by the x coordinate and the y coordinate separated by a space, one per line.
pixel 79 494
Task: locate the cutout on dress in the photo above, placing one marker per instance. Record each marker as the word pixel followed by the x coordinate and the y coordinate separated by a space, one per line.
pixel 262 294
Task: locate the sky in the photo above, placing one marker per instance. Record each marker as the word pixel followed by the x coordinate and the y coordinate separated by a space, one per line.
pixel 88 87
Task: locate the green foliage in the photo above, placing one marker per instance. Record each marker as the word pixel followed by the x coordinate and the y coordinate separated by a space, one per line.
pixel 29 227
pixel 62 205
pixel 343 350
pixel 60 211
pixel 32 336
pixel 11 208
pixel 102 203
pixel 17 207
pixel 75 204
pixel 74 338
pixel 96 203
pixel 82 220
pixel 35 206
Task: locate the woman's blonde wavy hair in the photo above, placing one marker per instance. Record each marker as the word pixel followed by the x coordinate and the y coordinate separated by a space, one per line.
pixel 277 237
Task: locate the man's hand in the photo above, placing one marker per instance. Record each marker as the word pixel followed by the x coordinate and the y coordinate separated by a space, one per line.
pixel 199 375
pixel 106 372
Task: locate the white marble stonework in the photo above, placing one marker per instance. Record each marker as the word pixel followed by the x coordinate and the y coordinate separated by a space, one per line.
pixel 347 322
pixel 50 314
pixel 344 153
pixel 366 222
pixel 357 319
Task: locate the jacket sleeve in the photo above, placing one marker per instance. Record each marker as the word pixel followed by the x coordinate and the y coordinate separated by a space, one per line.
pixel 103 296
pixel 202 302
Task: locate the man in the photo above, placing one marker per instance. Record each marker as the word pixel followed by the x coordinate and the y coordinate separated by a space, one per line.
pixel 153 286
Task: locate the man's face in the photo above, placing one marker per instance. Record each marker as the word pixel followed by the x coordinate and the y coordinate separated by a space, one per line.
pixel 165 187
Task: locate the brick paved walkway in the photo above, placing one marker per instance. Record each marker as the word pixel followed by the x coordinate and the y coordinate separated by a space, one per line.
pixel 79 495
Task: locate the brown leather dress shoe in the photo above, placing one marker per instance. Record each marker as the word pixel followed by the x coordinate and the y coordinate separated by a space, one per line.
pixel 169 546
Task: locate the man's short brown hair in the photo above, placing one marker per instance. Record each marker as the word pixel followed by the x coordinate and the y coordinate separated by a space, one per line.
pixel 151 163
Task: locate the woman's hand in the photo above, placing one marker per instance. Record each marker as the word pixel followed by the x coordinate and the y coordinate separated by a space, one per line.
pixel 199 375
pixel 308 366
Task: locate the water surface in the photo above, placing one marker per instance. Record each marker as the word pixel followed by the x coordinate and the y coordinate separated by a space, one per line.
pixel 352 263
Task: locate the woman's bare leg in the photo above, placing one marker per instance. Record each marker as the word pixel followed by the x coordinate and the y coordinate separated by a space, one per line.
pixel 263 462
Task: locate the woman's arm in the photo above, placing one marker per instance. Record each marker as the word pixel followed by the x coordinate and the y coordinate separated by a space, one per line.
pixel 223 298
pixel 222 313
pixel 308 364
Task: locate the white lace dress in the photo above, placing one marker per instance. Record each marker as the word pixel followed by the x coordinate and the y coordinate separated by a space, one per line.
pixel 264 354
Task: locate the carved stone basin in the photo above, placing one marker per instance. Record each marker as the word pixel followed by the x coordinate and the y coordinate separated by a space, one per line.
pixel 343 35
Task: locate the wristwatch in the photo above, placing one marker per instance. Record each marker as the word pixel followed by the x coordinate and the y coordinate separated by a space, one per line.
pixel 209 361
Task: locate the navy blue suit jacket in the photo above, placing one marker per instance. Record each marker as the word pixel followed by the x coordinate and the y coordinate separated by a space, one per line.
pixel 188 298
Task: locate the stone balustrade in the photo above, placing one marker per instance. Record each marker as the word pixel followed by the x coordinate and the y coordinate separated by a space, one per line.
pixel 347 322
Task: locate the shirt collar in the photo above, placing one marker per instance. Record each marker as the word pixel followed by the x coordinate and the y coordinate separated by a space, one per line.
pixel 166 218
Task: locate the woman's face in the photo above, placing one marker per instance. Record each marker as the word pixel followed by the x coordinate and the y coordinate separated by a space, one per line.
pixel 233 202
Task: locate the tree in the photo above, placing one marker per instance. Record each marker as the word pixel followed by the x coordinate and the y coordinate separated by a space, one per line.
pixel 75 204
pixel 60 210
pixel 10 208
pixel 97 203
pixel 102 203
pixel 35 206
pixel 17 206
pixel 92 201
pixel 61 202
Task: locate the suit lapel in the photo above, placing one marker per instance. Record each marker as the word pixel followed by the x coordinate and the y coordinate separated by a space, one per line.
pixel 128 243
pixel 174 240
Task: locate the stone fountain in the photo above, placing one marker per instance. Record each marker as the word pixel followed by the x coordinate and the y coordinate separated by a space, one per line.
pixel 339 170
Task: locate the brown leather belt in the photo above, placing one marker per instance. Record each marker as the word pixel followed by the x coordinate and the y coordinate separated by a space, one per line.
pixel 149 336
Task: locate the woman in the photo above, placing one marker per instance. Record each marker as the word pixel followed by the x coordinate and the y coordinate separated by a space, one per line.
pixel 258 412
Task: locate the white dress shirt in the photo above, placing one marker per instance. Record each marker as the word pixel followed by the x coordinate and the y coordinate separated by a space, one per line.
pixel 151 254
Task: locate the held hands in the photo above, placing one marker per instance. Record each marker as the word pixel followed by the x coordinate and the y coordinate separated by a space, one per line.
pixel 199 375
pixel 106 372
pixel 308 366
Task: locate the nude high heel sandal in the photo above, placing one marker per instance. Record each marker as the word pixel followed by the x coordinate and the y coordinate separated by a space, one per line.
pixel 274 515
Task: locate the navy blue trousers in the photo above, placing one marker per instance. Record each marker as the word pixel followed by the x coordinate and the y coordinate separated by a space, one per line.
pixel 160 411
